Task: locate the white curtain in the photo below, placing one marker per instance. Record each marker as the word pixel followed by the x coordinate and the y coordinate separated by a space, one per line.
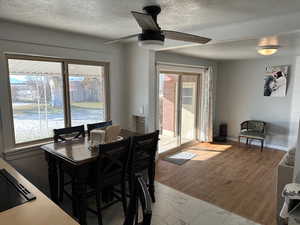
pixel 205 125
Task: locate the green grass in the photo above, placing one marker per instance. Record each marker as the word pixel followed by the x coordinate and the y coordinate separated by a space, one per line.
pixel 90 105
pixel 33 108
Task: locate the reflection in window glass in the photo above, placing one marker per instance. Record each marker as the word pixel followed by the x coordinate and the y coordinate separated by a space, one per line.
pixel 87 94
pixel 37 98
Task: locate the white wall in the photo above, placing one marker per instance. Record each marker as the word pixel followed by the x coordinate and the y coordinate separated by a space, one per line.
pixel 294 123
pixel 240 97
pixel 139 71
pixel 295 106
pixel 16 38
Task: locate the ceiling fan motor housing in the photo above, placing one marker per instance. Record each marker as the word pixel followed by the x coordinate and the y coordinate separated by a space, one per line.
pixel 151 35
pixel 153 10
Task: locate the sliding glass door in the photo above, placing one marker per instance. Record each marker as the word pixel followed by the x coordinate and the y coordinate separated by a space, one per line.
pixel 177 109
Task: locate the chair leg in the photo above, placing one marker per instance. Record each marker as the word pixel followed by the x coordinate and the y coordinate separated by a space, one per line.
pixel 74 202
pixel 262 145
pixel 239 140
pixel 247 142
pixel 123 193
pixel 98 205
pixel 61 183
pixel 151 176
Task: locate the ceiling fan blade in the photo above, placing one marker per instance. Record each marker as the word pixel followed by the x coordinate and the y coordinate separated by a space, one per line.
pixel 120 39
pixel 145 21
pixel 179 36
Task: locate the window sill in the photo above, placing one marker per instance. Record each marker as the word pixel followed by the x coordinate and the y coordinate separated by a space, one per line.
pixel 26 148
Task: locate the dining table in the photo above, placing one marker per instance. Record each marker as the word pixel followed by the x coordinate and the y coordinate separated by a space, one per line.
pixel 77 157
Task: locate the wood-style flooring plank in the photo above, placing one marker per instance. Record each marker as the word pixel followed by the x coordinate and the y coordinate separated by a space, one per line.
pixel 240 179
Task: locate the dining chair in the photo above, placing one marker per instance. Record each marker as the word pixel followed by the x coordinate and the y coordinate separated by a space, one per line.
pixel 66 134
pixel 140 194
pixel 93 126
pixel 110 172
pixel 142 157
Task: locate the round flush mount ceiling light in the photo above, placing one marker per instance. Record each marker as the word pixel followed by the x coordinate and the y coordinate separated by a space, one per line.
pixel 268 45
pixel 267 49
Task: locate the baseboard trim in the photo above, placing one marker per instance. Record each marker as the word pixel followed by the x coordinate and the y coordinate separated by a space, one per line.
pixel 278 147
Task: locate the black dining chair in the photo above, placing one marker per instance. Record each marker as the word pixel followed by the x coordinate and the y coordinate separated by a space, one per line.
pixel 140 194
pixel 66 134
pixel 110 173
pixel 142 157
pixel 93 126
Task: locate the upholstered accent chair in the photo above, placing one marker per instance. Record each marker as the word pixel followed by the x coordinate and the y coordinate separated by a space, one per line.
pixel 253 130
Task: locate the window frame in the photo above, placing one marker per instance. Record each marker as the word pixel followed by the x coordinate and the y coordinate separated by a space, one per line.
pixel 66 97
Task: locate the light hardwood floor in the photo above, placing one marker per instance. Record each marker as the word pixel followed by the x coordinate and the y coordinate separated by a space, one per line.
pixel 239 179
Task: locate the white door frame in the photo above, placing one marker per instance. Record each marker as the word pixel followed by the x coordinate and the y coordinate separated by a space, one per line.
pixel 195 71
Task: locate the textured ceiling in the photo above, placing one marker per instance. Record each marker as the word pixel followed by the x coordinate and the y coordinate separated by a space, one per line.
pixel 112 18
pixel 243 49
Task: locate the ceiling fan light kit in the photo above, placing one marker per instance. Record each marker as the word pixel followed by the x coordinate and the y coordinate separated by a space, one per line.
pixel 151 40
pixel 151 44
pixel 152 36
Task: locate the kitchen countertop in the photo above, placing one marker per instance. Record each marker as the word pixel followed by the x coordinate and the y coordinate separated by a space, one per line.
pixel 41 211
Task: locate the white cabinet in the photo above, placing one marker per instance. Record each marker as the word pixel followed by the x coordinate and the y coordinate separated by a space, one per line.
pixel 284 176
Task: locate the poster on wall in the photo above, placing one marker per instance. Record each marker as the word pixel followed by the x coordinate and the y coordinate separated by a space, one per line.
pixel 276 81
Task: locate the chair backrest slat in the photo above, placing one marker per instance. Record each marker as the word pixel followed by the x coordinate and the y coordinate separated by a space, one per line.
pixel 71 132
pixel 112 162
pixel 143 151
pixel 254 125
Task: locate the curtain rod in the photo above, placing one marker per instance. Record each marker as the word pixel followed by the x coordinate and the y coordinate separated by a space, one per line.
pixel 181 65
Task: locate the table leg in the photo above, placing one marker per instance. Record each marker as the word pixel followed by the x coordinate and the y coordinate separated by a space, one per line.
pixel 80 198
pixel 53 178
pixel 74 202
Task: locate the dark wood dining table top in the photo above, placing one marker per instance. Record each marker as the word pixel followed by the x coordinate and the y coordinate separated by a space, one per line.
pixel 77 152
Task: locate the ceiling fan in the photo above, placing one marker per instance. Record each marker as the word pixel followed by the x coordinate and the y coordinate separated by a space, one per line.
pixel 152 36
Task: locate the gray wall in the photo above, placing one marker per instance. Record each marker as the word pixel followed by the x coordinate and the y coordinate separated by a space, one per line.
pixel 164 56
pixel 240 97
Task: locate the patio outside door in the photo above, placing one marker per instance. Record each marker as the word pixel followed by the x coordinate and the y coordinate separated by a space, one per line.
pixel 177 109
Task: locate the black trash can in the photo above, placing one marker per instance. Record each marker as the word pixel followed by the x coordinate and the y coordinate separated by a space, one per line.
pixel 222 133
